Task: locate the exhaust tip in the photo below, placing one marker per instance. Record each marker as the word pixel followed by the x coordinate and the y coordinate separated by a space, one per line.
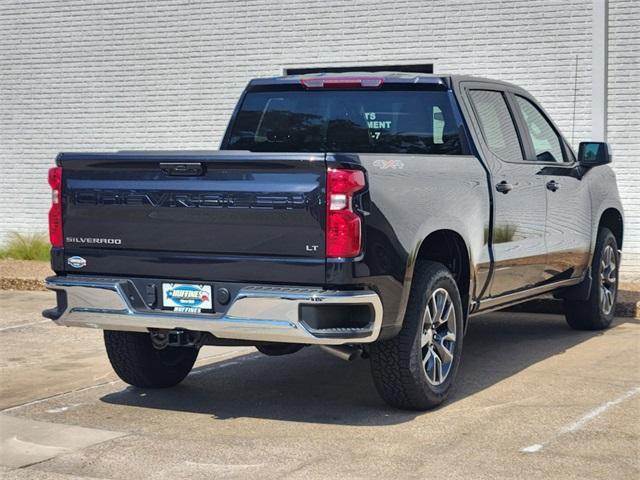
pixel 343 352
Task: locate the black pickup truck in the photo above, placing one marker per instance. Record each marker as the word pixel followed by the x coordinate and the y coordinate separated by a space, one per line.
pixel 370 214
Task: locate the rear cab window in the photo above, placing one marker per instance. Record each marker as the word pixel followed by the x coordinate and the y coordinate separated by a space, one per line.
pixel 355 121
pixel 497 125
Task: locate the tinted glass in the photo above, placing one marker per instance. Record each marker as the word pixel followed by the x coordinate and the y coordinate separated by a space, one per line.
pixel 497 126
pixel 546 142
pixel 363 121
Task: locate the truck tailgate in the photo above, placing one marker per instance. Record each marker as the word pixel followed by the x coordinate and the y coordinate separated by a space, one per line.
pixel 140 208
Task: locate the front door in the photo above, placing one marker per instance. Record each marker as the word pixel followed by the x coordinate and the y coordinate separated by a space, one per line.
pixel 520 203
pixel 568 228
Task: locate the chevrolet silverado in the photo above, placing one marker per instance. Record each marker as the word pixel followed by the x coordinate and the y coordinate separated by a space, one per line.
pixel 371 214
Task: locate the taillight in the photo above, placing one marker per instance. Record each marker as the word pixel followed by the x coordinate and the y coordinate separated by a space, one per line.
pixel 55 214
pixel 344 226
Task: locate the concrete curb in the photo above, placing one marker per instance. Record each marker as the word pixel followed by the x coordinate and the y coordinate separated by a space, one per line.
pixel 628 303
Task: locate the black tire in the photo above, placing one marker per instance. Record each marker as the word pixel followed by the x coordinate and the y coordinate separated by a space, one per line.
pixel 139 363
pixel 397 364
pixel 592 314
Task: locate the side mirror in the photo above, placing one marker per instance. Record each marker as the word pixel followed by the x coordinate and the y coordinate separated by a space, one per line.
pixel 592 154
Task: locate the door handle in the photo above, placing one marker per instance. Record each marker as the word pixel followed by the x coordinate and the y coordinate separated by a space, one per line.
pixel 504 187
pixel 553 185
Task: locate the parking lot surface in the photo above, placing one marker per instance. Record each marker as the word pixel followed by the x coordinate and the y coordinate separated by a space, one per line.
pixel 533 399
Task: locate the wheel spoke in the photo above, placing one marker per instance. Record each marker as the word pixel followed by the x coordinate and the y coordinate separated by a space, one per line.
pixel 434 308
pixel 451 323
pixel 443 318
pixel 449 337
pixel 429 356
pixel 443 352
pixel 607 299
pixel 438 369
pixel 437 301
pixel 444 309
pixel 426 336
pixel 428 315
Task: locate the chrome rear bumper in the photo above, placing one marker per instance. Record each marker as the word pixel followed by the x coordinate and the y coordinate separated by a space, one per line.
pixel 257 313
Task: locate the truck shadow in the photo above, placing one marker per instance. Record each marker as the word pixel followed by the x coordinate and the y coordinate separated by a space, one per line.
pixel 314 387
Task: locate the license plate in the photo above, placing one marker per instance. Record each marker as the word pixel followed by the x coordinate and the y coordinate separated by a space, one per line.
pixel 186 297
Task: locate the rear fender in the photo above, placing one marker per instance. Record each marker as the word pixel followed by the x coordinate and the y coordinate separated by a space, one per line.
pixel 424 233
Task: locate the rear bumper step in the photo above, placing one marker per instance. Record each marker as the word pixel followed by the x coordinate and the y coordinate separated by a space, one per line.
pixel 257 313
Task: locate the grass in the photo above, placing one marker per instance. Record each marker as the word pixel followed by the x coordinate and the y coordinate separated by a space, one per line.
pixel 34 246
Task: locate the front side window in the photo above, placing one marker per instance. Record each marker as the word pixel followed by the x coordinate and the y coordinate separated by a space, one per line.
pixel 546 142
pixel 496 123
pixel 357 121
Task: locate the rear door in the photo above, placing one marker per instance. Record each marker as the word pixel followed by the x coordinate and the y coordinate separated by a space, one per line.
pixel 519 210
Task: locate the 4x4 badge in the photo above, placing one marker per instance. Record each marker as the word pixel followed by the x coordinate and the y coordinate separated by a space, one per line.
pixel 77 262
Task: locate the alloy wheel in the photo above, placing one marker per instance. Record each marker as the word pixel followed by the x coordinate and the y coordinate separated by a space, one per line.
pixel 608 279
pixel 438 336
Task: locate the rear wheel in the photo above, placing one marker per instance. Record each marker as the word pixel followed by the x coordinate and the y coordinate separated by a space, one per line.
pixel 139 363
pixel 596 313
pixel 416 369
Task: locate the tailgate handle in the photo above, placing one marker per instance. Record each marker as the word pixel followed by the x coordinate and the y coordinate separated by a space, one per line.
pixel 192 169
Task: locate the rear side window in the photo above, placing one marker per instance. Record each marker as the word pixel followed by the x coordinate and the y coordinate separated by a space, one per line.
pixel 546 142
pixel 496 123
pixel 363 121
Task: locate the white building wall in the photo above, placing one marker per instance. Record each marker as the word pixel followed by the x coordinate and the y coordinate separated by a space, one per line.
pixel 624 120
pixel 105 75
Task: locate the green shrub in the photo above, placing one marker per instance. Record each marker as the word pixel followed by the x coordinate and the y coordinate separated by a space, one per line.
pixel 34 246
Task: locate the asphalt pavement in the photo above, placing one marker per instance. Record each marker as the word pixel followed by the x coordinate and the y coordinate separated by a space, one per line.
pixel 533 399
